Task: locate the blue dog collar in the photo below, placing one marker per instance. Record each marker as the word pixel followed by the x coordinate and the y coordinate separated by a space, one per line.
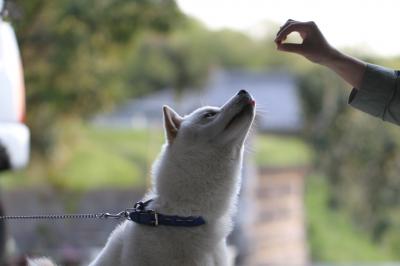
pixel 140 215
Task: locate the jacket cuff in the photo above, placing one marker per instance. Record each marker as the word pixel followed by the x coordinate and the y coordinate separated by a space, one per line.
pixel 378 89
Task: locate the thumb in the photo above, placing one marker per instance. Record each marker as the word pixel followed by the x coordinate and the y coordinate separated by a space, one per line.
pixel 291 47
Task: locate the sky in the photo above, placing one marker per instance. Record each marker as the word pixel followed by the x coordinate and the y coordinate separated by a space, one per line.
pixel 371 26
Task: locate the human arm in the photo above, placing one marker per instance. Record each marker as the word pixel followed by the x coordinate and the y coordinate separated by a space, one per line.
pixel 375 87
pixel 316 49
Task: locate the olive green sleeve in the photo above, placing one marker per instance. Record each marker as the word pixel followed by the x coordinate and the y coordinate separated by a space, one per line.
pixel 379 93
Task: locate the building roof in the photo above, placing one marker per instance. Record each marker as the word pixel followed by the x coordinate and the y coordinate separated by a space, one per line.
pixel 276 95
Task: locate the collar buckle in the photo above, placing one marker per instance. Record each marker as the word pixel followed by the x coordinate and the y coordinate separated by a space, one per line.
pixel 155 214
pixel 139 214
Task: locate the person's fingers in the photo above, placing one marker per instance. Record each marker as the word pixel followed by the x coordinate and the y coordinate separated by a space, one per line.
pixel 278 34
pixel 291 47
pixel 289 28
pixel 301 27
pixel 285 25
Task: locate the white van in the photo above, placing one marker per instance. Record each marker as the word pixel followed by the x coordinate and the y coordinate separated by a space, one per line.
pixel 14 134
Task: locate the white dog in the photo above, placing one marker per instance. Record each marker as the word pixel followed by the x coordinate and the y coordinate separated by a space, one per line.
pixel 196 180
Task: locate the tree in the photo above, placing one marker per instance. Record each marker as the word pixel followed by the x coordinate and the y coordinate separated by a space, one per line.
pixel 74 54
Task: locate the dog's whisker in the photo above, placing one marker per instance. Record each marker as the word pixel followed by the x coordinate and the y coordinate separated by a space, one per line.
pixel 263 111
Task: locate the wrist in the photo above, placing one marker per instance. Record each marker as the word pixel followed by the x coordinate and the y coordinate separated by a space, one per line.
pixel 347 67
pixel 332 57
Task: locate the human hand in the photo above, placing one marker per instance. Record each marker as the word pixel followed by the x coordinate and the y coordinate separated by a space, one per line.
pixel 314 46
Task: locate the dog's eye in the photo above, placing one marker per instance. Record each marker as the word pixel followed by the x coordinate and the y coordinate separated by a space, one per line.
pixel 209 114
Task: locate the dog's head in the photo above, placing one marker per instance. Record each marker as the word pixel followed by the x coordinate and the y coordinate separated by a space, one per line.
pixel 205 127
pixel 199 168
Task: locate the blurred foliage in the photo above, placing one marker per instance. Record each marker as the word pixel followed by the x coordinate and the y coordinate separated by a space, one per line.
pixel 184 59
pixel 74 55
pixel 359 154
pixel 333 235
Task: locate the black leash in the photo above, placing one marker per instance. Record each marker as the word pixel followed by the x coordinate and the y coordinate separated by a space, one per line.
pixel 138 214
pixel 104 215
pixel 65 216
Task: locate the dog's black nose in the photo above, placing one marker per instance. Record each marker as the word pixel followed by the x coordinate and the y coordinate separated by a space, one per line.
pixel 241 92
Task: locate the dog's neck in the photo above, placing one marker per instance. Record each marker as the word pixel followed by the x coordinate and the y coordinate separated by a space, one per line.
pixel 195 183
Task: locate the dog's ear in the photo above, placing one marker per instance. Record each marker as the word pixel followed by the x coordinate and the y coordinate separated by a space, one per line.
pixel 172 123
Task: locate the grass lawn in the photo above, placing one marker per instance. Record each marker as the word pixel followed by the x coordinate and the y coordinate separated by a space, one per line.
pixel 95 158
pixel 91 157
pixel 281 151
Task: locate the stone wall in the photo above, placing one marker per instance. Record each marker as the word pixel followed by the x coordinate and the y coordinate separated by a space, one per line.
pixel 62 238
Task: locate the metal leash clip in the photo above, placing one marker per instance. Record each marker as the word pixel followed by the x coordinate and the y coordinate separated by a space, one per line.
pixel 123 214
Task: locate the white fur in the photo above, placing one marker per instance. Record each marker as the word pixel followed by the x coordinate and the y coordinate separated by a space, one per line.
pixel 40 262
pixel 196 174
